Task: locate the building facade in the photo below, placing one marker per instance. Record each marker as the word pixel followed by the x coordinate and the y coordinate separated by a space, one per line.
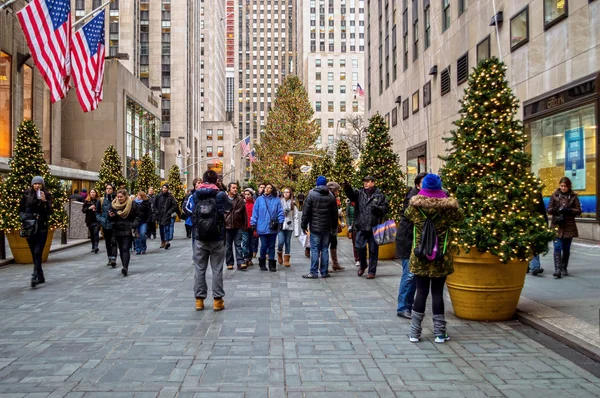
pixel 419 55
pixel 331 62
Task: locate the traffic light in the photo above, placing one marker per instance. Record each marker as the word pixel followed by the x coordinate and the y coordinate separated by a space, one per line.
pixel 290 160
pixel 285 159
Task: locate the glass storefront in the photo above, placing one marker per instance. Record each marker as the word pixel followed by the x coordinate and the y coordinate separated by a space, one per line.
pixel 416 163
pixel 5 104
pixel 564 144
pixel 142 137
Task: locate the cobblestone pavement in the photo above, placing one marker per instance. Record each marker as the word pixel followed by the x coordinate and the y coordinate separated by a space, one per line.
pixel 91 332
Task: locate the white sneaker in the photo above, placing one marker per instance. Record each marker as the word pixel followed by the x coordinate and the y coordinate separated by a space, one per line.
pixel 442 339
pixel 414 339
pixel 357 263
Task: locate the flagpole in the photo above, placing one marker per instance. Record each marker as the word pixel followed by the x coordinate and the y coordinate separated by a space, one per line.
pixel 240 141
pixel 9 2
pixel 82 19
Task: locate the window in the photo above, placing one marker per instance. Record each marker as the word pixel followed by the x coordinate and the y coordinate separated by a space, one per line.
pixel 330 63
pixel 394 116
pixel 461 7
pixel 342 89
pixel 415 102
pixel 462 69
pixel 330 76
pixel 427 23
pixel 354 106
pixel 318 62
pixel 318 106
pixel 330 139
pixel 220 135
pixel 209 135
pixel 554 12
pixel 342 75
pixel 343 123
pixel 330 89
pixel 220 151
pixel 5 101
pixel 519 29
pixel 445 81
pixel 330 123
pixel 342 62
pixel 318 76
pixel 445 15
pixel 483 49
pixel 318 89
pixel 405 109
pixel 330 107
pixel 209 151
pixel 427 94
pixel 342 106
pixel 27 92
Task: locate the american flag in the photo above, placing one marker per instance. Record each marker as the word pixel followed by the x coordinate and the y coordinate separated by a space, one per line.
pixel 252 156
pixel 87 53
pixel 360 90
pixel 246 146
pixel 47 28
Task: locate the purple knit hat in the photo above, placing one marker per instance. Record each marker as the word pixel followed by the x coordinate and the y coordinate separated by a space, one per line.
pixel 431 186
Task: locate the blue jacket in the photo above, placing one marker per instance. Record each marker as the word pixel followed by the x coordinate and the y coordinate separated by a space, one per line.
pixel 210 190
pixel 102 211
pixel 265 208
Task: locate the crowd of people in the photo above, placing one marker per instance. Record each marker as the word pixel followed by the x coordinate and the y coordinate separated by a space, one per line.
pixel 231 229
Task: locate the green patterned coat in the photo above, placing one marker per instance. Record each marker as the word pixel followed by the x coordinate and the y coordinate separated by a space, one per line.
pixel 448 215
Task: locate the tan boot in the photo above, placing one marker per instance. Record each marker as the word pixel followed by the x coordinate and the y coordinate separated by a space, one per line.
pixel 199 304
pixel 286 260
pixel 280 257
pixel 334 260
pixel 162 244
pixel 218 305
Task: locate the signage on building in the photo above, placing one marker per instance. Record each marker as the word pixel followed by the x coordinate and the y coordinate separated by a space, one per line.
pixel 575 157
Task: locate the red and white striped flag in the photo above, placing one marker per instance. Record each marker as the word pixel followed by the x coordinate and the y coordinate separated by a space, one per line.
pixel 360 90
pixel 252 156
pixel 47 28
pixel 246 146
pixel 87 54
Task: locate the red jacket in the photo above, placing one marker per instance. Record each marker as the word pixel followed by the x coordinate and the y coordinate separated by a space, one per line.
pixel 249 207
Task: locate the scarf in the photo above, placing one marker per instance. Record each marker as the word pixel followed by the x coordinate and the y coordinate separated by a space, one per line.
pixel 139 201
pixel 122 209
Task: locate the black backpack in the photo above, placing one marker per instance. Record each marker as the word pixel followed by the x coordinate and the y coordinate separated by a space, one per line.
pixel 207 220
pixel 429 246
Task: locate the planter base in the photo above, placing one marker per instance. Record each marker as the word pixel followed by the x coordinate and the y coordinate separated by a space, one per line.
pixel 387 252
pixel 20 248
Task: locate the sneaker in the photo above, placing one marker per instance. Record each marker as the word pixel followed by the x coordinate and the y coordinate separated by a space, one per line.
pixel 357 263
pixel 199 304
pixel 537 271
pixel 310 276
pixel 230 267
pixel 414 339
pixel 167 246
pixel 404 314
pixel 442 339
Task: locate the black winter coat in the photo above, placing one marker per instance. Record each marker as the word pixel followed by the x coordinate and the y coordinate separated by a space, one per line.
pixel 164 206
pixel 145 210
pixel 320 211
pixel 124 226
pixel 90 215
pixel 31 206
pixel 404 237
pixel 369 210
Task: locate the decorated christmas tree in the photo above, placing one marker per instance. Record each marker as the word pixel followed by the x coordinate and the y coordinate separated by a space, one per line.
pixel 487 170
pixel 28 162
pixel 321 166
pixel 289 128
pixel 111 170
pixel 380 161
pixel 343 169
pixel 175 185
pixel 147 176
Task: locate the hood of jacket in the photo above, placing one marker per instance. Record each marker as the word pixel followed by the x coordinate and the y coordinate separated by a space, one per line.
pixel 321 189
pixel 206 190
pixel 426 202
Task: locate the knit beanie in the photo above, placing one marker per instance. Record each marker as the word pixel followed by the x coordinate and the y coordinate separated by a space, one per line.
pixel 321 180
pixel 431 181
pixel 37 180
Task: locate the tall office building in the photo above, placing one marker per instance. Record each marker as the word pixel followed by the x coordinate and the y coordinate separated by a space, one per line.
pixel 332 43
pixel 266 54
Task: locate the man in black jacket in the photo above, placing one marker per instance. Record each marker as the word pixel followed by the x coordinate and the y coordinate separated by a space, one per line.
pixel 371 207
pixel 165 210
pixel 404 242
pixel 320 213
pixel 152 222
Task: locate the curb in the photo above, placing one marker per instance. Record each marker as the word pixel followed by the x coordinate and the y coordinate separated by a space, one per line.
pixel 568 339
pixel 11 260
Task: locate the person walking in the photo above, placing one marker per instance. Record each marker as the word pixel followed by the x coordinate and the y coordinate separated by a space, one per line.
pixel 300 198
pixel 152 222
pixel 208 239
pixel 187 222
pixel 284 238
pixel 165 207
pixel 249 235
pixel 404 242
pixel 335 188
pixel 102 217
pixel 371 207
pixel 351 233
pixel 535 267
pixel 75 196
pixel 320 215
pixel 89 209
pixel 564 206
pixel 188 207
pixel 236 220
pixel 432 203
pixel 267 219
pixel 36 204
pixel 145 215
pixel 125 218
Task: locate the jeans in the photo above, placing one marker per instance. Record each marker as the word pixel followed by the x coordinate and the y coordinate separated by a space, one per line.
pixel 364 238
pixel 319 248
pixel 94 235
pixel 234 238
pixel 406 291
pixel 267 245
pixel 255 245
pixel 36 246
pixel 140 243
pixel 437 294
pixel 563 245
pixel 202 252
pixel 535 263
pixel 124 243
pixel 111 243
pixel 166 232
pixel 248 240
pixel 284 238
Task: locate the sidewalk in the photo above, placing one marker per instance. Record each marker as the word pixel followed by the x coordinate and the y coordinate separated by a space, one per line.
pixel 54 247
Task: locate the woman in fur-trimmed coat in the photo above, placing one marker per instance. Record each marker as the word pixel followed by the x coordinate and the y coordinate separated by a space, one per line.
pixel 432 203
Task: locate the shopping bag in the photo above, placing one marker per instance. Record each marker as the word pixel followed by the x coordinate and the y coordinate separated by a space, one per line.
pixel 385 233
pixel 304 240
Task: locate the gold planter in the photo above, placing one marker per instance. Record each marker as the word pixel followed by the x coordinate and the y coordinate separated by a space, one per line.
pixel 387 252
pixel 20 248
pixel 344 232
pixel 483 289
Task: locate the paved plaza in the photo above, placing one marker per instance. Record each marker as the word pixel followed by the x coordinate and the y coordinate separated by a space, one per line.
pixel 89 332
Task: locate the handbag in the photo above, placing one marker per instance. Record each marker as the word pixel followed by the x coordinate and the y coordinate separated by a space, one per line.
pixel 29 227
pixel 273 224
pixel 385 233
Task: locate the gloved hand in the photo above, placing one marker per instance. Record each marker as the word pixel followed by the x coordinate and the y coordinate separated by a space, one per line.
pixel 565 210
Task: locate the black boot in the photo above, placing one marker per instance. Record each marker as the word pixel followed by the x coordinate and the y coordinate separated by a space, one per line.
pixel 262 263
pixel 564 263
pixel 273 265
pixel 35 280
pixel 557 265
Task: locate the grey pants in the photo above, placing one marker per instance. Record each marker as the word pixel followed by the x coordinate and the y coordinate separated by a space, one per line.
pixel 202 251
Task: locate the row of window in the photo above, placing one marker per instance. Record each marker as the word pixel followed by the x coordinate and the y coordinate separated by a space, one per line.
pixel 342 76
pixel 331 106
pixel 209 151
pixel 209 134
pixel 330 89
pixel 331 123
pixel 330 62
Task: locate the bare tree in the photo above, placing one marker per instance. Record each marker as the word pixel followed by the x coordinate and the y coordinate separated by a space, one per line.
pixel 356 133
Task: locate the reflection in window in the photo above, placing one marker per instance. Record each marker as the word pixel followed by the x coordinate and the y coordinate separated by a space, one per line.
pixel 5 100
pixel 209 151
pixel 220 151
pixel 220 135
pixel 574 129
pixel 483 49
pixel 209 134
pixel 519 29
pixel 142 137
pixel 554 10
pixel 27 92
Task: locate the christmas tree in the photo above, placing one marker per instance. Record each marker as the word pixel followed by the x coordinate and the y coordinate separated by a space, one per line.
pixel 147 176
pixel 380 161
pixel 289 128
pixel 111 170
pixel 322 165
pixel 343 169
pixel 28 162
pixel 487 170
pixel 175 185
